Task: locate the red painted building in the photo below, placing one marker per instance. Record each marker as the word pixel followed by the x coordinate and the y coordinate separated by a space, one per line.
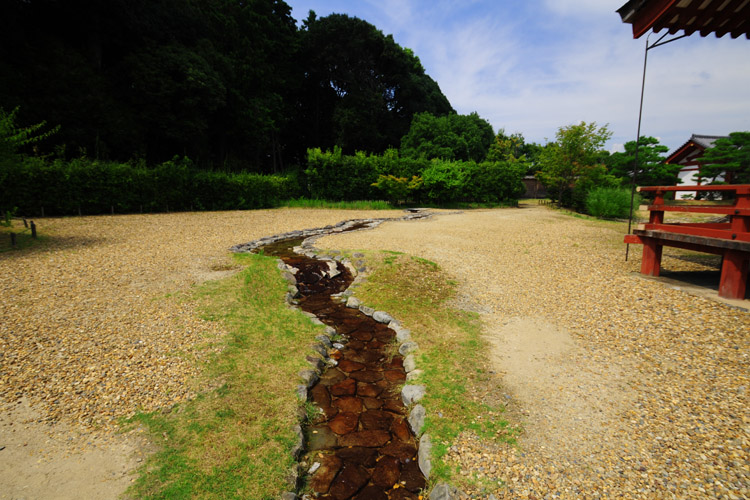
pixel 689 155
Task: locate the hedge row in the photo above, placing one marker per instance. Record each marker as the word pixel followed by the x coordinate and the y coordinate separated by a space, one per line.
pixel 334 176
pixel 82 186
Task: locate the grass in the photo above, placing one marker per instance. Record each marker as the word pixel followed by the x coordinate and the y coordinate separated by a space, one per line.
pixel 235 439
pixel 462 395
pixel 339 205
pixel 23 236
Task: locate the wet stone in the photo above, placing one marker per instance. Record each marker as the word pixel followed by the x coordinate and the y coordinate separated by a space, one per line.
pixel 374 420
pixel 323 477
pixel 347 387
pixel 344 423
pixel 349 404
pixel 362 336
pixel 400 429
pixel 349 481
pixel 368 439
pixel 411 477
pixel 394 405
pixel 321 438
pixel 369 390
pixel 394 375
pixel 366 457
pixel 331 377
pixel 405 452
pixel 349 366
pixel 367 376
pixel 372 492
pixel 403 494
pixel 372 403
pixel 387 472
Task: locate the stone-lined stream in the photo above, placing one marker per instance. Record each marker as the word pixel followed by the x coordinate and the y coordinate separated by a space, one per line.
pixel 360 445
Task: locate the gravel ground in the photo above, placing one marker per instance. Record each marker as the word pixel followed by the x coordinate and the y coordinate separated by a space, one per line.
pixel 627 387
pixel 94 326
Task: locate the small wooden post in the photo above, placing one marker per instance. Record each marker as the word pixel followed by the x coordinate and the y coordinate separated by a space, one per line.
pixel 733 281
pixel 12 239
pixel 33 230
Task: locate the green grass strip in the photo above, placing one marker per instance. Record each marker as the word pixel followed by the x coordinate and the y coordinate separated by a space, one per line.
pixel 235 440
pixel 461 393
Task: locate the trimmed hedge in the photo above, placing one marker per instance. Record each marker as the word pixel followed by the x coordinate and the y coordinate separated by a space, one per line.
pixel 84 186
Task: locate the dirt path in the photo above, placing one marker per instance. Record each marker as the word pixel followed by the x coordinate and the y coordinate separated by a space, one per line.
pixel 627 387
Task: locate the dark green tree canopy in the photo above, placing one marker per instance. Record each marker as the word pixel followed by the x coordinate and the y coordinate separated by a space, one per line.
pixel 361 88
pixel 652 171
pixel 449 137
pixel 233 84
pixel 729 157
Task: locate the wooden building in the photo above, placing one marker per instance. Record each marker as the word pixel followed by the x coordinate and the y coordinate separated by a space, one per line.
pixel 689 156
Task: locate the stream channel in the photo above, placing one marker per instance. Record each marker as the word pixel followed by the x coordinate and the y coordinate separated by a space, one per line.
pixel 359 445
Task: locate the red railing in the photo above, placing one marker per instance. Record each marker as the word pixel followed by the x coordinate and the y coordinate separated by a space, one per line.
pixel 729 239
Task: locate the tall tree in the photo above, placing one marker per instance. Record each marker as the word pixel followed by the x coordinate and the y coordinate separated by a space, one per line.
pixel 361 88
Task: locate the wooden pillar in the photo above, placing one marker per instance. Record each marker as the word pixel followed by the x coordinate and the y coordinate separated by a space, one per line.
pixel 651 260
pixel 734 271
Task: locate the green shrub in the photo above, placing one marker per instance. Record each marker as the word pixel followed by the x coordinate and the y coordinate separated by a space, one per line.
pixel 610 203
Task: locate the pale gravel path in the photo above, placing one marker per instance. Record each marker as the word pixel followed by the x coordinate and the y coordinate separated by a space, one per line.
pixel 88 335
pixel 649 396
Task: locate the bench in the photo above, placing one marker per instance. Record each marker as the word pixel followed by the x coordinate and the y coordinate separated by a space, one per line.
pixel 730 239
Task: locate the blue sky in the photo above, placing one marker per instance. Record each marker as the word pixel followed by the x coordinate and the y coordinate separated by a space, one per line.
pixel 532 66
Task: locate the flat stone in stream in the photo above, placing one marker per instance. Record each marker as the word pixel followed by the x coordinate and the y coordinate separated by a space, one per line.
pixel 349 404
pixel 368 439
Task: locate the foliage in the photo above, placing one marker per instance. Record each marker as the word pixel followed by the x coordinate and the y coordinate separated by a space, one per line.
pixel 235 85
pixel 360 88
pixel 572 165
pixel 610 203
pixel 450 137
pixel 331 175
pixel 652 171
pixel 398 189
pixel 729 157
pixel 85 186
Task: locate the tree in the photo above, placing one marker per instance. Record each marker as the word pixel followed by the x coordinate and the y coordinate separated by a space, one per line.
pixel 450 137
pixel 571 166
pixel 729 157
pixel 361 88
pixel 652 171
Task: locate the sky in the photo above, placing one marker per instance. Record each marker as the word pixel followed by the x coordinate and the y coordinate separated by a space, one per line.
pixel 533 66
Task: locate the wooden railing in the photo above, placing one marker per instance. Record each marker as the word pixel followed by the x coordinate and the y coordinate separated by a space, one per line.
pixel 729 239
